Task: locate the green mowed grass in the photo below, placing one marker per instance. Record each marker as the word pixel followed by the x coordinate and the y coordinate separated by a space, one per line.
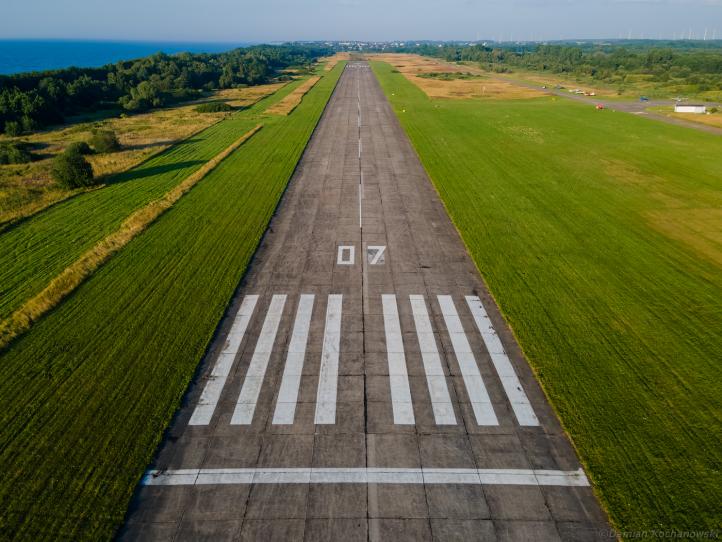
pixel 622 324
pixel 86 394
pixel 38 249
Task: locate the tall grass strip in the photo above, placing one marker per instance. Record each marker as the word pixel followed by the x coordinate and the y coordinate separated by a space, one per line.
pixel 290 102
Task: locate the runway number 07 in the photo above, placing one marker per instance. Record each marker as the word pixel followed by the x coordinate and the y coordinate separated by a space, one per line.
pixel 375 255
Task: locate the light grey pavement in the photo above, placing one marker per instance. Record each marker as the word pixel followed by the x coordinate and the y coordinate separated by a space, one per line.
pixel 384 404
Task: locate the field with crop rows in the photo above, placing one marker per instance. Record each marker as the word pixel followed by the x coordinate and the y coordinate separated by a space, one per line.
pixel 37 249
pixel 579 220
pixel 86 394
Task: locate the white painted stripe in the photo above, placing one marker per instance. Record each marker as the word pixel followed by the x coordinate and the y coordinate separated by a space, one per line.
pixel 291 380
pixel 478 396
pixel 328 376
pixel 211 394
pixel 398 374
pixel 251 389
pixel 515 392
pixel 435 377
pixel 369 475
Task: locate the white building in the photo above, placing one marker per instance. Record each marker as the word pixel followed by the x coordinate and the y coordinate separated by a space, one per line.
pixel 689 108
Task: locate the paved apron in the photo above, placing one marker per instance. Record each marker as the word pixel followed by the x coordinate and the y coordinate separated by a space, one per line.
pixel 363 384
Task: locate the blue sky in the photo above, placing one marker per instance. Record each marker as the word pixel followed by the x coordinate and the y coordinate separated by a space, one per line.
pixel 281 20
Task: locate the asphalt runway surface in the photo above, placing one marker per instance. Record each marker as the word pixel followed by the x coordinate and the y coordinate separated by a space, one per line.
pixel 363 384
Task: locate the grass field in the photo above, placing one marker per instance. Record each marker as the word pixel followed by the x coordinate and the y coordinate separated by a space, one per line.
pixel 417 68
pixel 86 394
pixel 619 314
pixel 39 248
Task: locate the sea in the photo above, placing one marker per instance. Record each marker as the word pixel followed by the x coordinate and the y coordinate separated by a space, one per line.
pixel 17 56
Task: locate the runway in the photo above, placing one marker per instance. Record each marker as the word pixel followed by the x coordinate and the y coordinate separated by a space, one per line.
pixel 363 384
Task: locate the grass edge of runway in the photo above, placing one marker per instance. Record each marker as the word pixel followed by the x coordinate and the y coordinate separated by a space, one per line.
pixel 88 392
pixel 593 372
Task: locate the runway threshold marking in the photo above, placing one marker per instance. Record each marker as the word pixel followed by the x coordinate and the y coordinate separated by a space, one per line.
pixel 246 405
pixel 291 380
pixel 398 374
pixel 478 396
pixel 328 377
pixel 435 378
pixel 368 475
pixel 514 391
pixel 399 382
pixel 211 394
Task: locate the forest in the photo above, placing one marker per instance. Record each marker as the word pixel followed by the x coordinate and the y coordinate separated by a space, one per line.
pixel 30 101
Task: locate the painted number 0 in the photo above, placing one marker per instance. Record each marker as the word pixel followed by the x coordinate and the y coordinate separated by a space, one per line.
pixel 375 255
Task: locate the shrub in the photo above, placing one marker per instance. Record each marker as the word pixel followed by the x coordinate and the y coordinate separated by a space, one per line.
pixel 104 141
pixel 713 110
pixel 28 124
pixel 72 170
pixel 12 128
pixel 213 107
pixel 80 147
pixel 14 153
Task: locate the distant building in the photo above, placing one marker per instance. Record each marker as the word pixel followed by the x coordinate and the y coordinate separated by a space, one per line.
pixel 690 108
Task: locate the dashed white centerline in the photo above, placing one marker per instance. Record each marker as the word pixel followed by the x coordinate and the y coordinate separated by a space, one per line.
pixel 398 374
pixel 211 394
pixel 517 397
pixel 291 380
pixel 328 376
pixel 246 405
pixel 368 475
pixel 435 377
pixel 478 396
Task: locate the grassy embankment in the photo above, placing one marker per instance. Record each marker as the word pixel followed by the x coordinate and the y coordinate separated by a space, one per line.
pixel 87 392
pixel 36 250
pixel 599 235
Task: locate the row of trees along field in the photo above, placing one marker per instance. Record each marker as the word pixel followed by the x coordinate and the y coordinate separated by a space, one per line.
pixel 32 100
pixel 663 62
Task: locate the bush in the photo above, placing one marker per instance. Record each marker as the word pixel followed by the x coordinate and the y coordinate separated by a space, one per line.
pixel 104 141
pixel 12 128
pixel 713 110
pixel 214 107
pixel 14 153
pixel 72 170
pixel 79 147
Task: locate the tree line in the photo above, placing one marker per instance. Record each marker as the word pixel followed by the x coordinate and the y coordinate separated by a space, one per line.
pixel 700 68
pixel 30 101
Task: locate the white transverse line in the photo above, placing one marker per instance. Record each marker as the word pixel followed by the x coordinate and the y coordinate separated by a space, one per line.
pixel 435 378
pixel 478 396
pixel 288 392
pixel 328 377
pixel 519 401
pixel 246 405
pixel 369 475
pixel 398 374
pixel 203 412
